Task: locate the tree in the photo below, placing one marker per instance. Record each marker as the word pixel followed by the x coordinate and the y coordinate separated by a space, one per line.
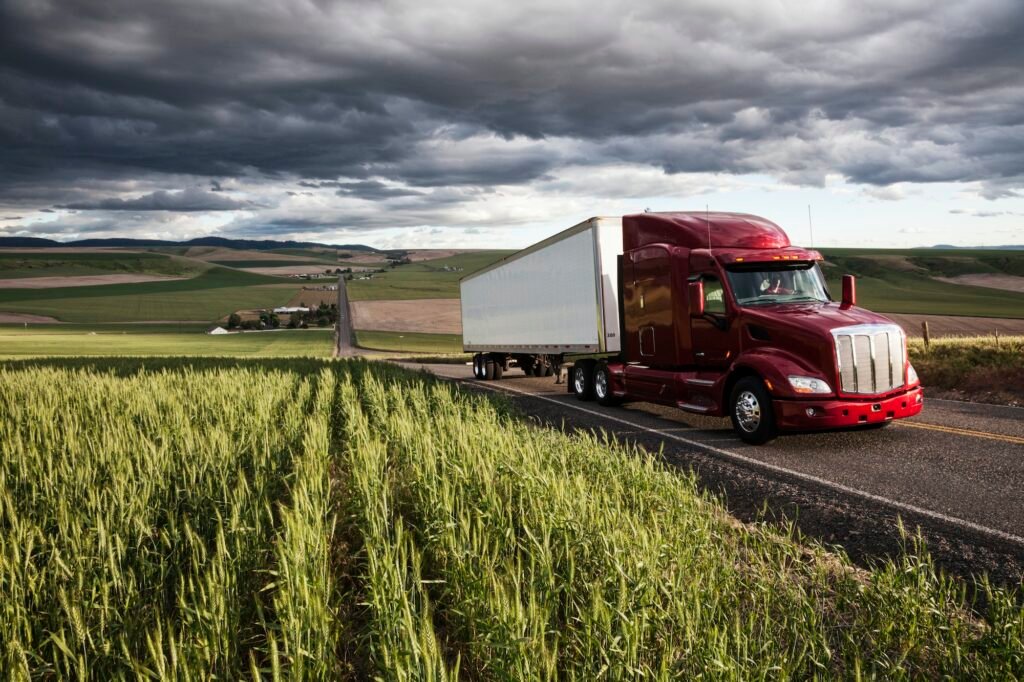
pixel 234 320
pixel 295 320
pixel 275 321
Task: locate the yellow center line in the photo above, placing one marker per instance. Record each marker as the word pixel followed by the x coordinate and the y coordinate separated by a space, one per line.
pixel 964 432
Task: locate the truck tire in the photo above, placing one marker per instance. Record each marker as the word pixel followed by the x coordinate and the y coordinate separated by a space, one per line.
pixel 489 366
pixel 750 407
pixel 583 379
pixel 478 366
pixel 603 386
pixel 499 370
pixel 538 366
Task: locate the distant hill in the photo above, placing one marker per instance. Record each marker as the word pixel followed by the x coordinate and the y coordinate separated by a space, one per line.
pixel 249 244
pixel 1007 247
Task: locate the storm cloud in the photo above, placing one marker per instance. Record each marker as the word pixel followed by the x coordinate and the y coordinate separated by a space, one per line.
pixel 424 110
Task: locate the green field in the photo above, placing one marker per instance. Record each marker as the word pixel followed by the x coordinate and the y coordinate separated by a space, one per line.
pixel 424 279
pixel 14 264
pixel 303 519
pixel 211 295
pixel 901 280
pixel 271 263
pixel 412 342
pixel 145 340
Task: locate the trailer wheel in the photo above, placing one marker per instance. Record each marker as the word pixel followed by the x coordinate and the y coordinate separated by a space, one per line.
pixel 538 366
pixel 527 366
pixel 478 366
pixel 499 370
pixel 583 379
pixel 603 386
pixel 750 407
pixel 489 366
pixel 548 367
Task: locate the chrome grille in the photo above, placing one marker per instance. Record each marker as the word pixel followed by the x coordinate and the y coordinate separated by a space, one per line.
pixel 869 358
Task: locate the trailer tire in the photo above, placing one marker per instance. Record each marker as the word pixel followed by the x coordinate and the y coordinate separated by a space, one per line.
pixel 750 407
pixel 583 379
pixel 548 369
pixel 489 366
pixel 499 370
pixel 527 366
pixel 538 366
pixel 478 366
pixel 603 386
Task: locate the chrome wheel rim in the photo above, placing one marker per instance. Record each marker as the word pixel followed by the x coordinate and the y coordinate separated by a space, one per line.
pixel 601 384
pixel 748 412
pixel 579 380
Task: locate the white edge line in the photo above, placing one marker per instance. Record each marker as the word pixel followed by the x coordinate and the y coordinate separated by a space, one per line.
pixel 938 516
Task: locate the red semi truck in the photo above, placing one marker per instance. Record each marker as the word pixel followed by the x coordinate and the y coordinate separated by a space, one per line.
pixel 713 313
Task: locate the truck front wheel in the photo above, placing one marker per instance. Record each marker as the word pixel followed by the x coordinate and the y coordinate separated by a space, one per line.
pixel 751 410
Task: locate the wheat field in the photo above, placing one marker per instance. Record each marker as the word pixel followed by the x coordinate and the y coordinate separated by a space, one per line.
pixel 304 519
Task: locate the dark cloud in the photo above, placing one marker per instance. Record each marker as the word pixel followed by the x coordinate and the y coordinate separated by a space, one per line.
pixel 187 201
pixel 387 102
pixel 13 217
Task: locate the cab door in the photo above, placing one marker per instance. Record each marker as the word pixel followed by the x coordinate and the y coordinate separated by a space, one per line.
pixel 714 338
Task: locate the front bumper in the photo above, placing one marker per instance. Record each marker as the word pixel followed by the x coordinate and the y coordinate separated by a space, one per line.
pixel 794 415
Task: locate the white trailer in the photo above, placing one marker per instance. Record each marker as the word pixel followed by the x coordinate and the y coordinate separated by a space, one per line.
pixel 557 297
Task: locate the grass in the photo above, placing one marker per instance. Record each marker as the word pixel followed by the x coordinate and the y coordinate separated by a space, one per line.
pixel 146 340
pixel 425 279
pixel 269 263
pixel 902 280
pixel 990 368
pixel 211 295
pixel 412 342
pixel 348 520
pixel 18 265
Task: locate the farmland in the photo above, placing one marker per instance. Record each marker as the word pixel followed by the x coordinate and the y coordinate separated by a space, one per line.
pixel 149 340
pixel 326 520
pixel 423 279
pixel 210 295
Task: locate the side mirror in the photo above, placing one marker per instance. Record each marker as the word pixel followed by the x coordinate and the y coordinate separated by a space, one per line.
pixel 696 293
pixel 849 291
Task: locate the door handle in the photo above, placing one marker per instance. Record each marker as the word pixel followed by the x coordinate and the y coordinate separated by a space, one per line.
pixel 699 355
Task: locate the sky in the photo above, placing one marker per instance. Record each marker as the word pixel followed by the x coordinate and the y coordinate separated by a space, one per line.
pixel 493 125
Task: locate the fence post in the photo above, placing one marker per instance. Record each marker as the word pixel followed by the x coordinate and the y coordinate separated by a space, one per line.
pixel 997 338
pixel 924 332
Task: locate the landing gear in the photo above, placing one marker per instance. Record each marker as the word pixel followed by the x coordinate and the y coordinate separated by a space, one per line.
pixel 751 410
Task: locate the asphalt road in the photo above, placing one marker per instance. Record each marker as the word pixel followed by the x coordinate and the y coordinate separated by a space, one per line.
pixel 344 336
pixel 955 472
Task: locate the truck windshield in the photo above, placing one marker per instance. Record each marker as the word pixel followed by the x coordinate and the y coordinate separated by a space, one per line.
pixel 764 283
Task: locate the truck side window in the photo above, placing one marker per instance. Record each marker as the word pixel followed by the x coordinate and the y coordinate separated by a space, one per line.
pixel 714 295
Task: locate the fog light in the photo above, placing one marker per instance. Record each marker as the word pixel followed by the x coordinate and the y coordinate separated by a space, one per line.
pixel 811 411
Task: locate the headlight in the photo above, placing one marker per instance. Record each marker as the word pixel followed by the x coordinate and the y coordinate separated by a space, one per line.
pixel 911 374
pixel 809 385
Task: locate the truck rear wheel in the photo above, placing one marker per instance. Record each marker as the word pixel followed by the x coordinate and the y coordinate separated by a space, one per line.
pixel 583 379
pixel 603 386
pixel 499 370
pixel 489 366
pixel 750 407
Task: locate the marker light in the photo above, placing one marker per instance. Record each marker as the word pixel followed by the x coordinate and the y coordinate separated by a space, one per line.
pixel 809 385
pixel 911 374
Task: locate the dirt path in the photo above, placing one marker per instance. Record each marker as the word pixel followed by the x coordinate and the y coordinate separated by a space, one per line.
pixel 20 318
pixel 950 325
pixel 79 281
pixel 428 315
pixel 989 281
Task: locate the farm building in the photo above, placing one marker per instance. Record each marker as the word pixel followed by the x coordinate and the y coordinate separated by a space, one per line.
pixel 287 310
pixel 218 331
